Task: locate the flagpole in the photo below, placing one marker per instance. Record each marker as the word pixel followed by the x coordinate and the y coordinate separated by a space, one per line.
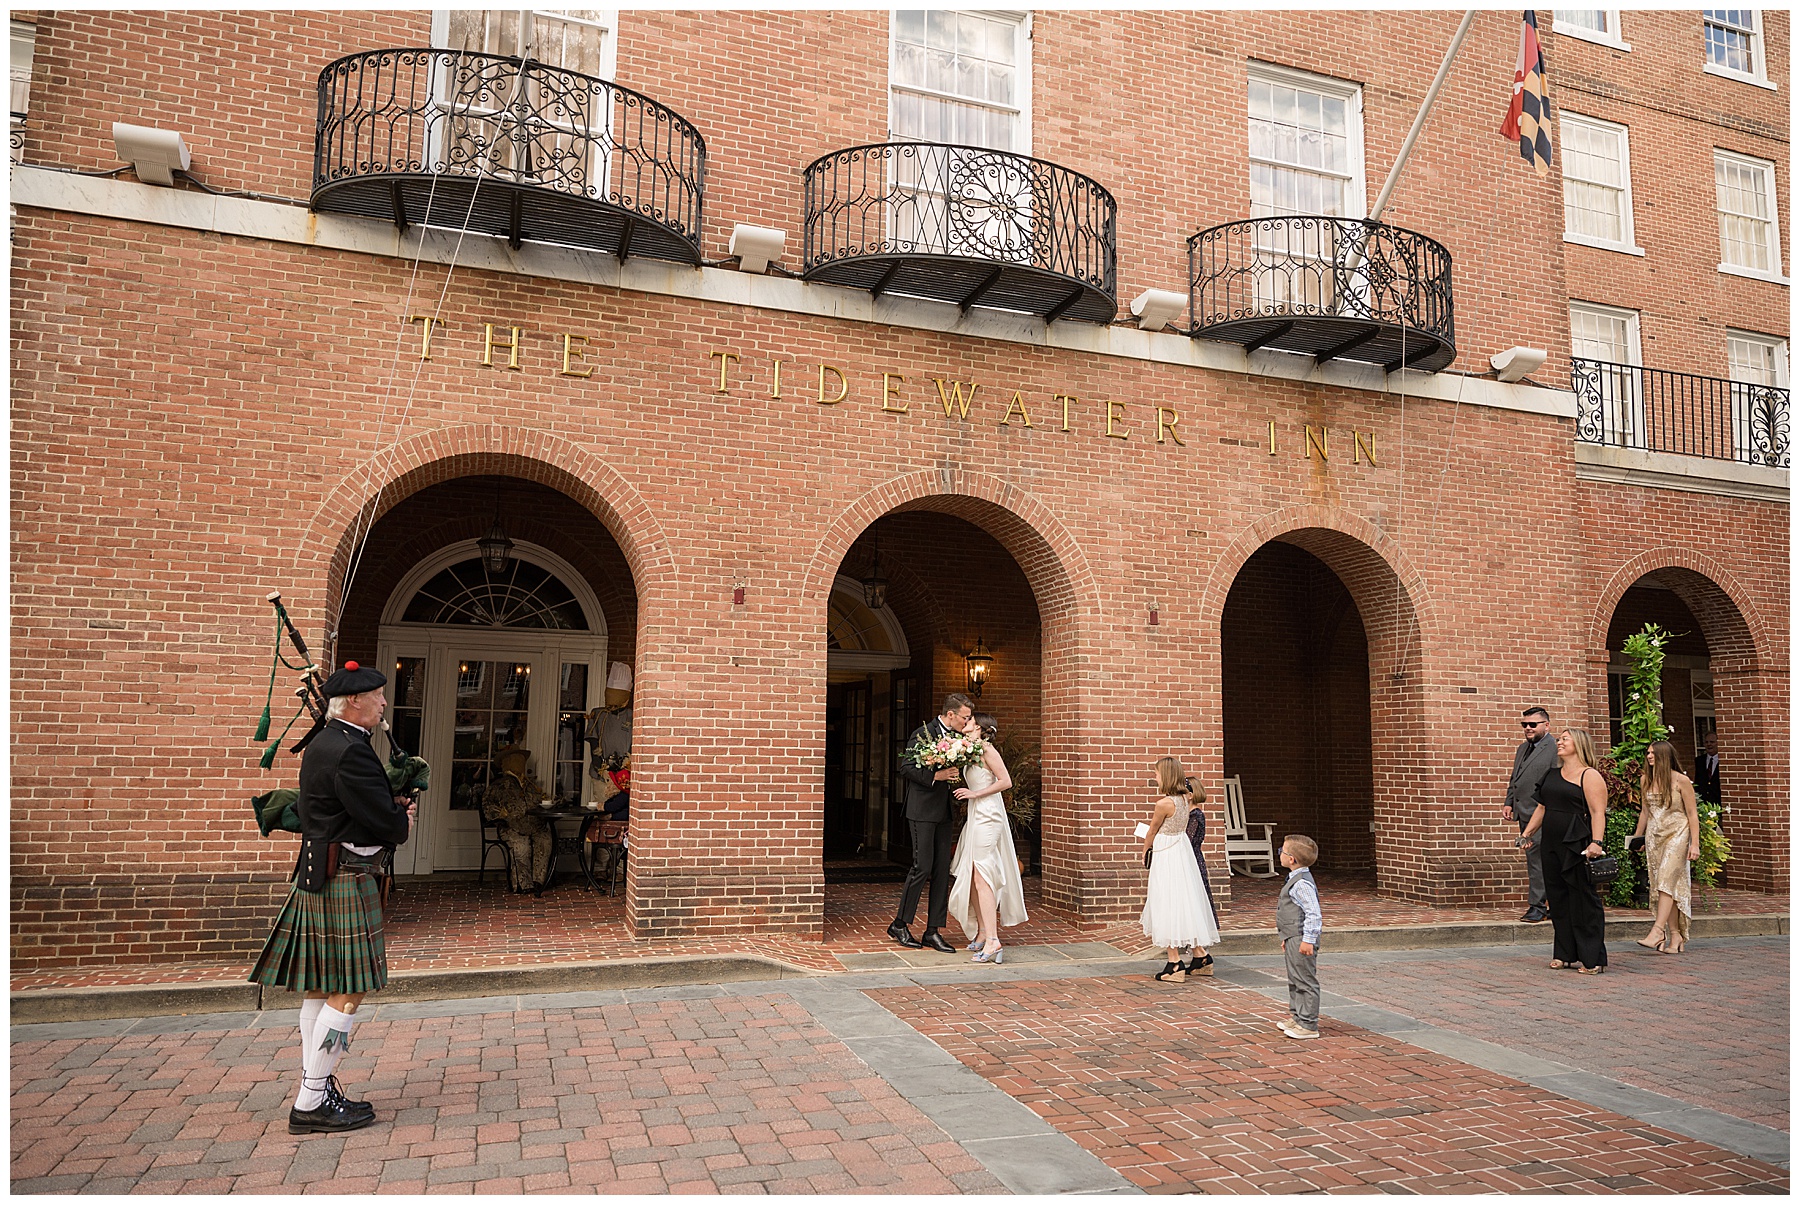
pixel 1425 107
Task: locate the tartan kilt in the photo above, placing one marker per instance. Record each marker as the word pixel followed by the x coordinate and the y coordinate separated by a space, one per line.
pixel 327 941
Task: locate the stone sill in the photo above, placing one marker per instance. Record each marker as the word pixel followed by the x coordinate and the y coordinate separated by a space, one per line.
pixel 45 188
pixel 1668 471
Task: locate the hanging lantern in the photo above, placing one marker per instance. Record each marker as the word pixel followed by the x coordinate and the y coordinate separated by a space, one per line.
pixel 979 663
pixel 875 586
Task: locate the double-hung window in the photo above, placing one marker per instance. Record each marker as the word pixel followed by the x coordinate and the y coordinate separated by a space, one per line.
pixel 1758 364
pixel 1611 395
pixel 1734 45
pixel 1749 238
pixel 24 45
pixel 1306 158
pixel 1597 184
pixel 539 125
pixel 1590 25
pixel 962 79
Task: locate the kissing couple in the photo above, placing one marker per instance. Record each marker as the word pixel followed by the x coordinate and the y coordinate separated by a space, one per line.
pixel 988 892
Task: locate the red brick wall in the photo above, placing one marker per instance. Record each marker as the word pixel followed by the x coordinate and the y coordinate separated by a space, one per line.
pixel 196 417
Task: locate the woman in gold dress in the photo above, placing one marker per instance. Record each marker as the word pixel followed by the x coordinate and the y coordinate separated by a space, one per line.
pixel 1670 826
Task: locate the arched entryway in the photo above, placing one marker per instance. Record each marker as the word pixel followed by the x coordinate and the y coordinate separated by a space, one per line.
pixel 1715 684
pixel 891 664
pixel 483 656
pixel 1321 697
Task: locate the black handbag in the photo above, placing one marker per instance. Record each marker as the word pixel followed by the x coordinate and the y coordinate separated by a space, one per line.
pixel 1603 870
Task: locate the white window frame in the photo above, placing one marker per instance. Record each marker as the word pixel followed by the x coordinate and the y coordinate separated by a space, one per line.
pixel 1022 82
pixel 1614 38
pixel 1627 244
pixel 1742 435
pixel 1759 69
pixel 1356 193
pixel 24 51
pixel 1627 403
pixel 1767 167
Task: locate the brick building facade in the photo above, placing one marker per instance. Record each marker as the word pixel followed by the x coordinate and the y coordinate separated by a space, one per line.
pixel 1336 583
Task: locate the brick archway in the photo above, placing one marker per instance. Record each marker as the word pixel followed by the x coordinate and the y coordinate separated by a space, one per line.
pixel 362 497
pixel 1064 588
pixel 1750 701
pixel 1390 597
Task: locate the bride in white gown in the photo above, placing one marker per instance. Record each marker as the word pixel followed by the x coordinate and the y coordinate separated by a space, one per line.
pixel 987 891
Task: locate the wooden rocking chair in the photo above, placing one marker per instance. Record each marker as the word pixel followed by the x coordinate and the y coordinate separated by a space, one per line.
pixel 1240 846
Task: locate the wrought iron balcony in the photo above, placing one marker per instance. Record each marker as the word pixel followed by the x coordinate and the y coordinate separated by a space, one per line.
pixel 1330 288
pixel 965 225
pixel 510 147
pixel 1661 411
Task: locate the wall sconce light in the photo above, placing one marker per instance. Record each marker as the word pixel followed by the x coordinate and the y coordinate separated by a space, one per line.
pixel 1517 363
pixel 1155 615
pixel 496 549
pixel 1156 308
pixel 979 663
pixel 155 155
pixel 875 586
pixel 755 246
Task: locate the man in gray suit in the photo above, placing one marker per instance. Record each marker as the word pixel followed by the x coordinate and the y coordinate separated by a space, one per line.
pixel 1536 757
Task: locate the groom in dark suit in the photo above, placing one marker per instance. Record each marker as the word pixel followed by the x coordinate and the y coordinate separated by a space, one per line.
pixel 928 816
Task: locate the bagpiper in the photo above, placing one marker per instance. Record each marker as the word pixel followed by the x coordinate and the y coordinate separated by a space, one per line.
pixel 327 942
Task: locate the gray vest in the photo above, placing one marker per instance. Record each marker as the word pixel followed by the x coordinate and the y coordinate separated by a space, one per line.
pixel 1289 917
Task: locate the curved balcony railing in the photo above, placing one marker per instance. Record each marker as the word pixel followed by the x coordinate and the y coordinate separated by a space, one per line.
pixel 1331 288
pixel 507 146
pixel 963 224
pixel 1662 411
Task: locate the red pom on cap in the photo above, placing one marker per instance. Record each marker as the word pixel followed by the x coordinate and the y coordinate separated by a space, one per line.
pixel 352 666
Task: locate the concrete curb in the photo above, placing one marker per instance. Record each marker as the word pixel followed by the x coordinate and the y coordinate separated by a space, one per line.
pixel 165 999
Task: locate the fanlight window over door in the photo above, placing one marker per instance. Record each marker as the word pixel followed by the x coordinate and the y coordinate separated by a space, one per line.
pixel 523 596
pixel 545 125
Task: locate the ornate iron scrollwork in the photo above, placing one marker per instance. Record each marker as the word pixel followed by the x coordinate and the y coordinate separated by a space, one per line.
pixel 1661 411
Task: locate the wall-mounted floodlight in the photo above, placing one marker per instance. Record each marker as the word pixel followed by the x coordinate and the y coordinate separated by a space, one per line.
pixel 1156 308
pixel 1517 363
pixel 755 246
pixel 153 154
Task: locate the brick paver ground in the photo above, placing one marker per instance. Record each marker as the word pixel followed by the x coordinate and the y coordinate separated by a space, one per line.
pixel 1190 1088
pixel 745 1094
pixel 455 923
pixel 1708 1026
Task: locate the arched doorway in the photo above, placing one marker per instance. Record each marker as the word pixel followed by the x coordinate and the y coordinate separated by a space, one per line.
pixel 910 652
pixel 481 658
pixel 1320 689
pixel 1715 683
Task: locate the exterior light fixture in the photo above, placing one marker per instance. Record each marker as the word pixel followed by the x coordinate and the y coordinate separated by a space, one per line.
pixel 155 155
pixel 1156 308
pixel 875 586
pixel 979 663
pixel 496 549
pixel 755 246
pixel 1517 363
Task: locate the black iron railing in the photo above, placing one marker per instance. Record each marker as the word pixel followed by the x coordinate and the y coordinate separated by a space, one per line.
pixel 1662 411
pixel 1365 280
pixel 16 149
pixel 514 128
pixel 1046 235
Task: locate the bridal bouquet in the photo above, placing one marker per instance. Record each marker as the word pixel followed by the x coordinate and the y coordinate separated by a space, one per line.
pixel 953 749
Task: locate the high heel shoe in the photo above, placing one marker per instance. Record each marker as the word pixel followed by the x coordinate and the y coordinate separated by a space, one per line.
pixel 996 956
pixel 973 946
pixel 1171 973
pixel 1666 948
pixel 1599 970
pixel 1653 945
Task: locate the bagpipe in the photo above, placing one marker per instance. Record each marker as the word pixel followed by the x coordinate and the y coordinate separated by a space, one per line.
pixel 408 774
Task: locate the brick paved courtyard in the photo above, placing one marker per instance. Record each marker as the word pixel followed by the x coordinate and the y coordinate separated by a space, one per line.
pixel 1024 1079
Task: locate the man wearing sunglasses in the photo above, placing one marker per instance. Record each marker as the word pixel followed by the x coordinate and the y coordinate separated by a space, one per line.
pixel 1535 758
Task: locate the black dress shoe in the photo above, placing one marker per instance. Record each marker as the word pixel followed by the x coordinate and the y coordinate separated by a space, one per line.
pixel 1535 916
pixel 934 941
pixel 332 1117
pixel 903 935
pixel 336 1094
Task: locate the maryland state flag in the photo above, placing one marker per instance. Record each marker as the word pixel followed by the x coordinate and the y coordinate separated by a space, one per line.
pixel 1528 118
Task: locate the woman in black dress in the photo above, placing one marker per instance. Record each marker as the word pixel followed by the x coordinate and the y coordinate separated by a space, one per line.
pixel 1574 810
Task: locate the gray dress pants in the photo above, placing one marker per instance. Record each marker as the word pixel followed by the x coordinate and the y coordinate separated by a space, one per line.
pixel 1534 864
pixel 1303 983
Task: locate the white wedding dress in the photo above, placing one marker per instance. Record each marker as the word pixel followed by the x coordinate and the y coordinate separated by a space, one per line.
pixel 1177 910
pixel 986 845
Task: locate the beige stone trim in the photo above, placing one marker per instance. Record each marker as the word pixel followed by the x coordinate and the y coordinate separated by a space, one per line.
pixel 1668 471
pixel 43 188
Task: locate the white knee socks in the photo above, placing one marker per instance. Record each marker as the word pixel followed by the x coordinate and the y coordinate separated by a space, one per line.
pixel 330 1039
pixel 309 1013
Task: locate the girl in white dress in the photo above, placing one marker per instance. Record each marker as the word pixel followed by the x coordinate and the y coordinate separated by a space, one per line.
pixel 987 892
pixel 1177 910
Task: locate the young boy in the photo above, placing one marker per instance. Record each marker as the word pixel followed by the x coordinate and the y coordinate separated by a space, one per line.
pixel 1298 922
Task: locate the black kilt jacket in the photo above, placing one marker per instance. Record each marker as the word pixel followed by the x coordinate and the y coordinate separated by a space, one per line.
pixel 344 792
